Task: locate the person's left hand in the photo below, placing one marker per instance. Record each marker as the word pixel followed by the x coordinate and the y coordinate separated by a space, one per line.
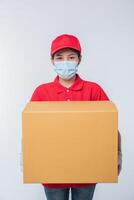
pixel 119 161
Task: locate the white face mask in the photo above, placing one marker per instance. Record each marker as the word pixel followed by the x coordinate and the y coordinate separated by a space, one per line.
pixel 66 69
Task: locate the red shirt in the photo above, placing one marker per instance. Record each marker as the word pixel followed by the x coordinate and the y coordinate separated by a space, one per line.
pixel 80 90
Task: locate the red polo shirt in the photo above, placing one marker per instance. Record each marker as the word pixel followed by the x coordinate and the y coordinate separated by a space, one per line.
pixel 80 90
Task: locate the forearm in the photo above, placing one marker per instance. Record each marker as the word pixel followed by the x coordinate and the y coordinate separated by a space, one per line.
pixel 119 153
pixel 119 142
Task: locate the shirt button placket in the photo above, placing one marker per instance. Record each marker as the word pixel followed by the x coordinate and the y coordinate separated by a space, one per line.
pixel 68 97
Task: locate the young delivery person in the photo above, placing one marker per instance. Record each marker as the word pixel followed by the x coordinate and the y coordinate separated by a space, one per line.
pixel 69 86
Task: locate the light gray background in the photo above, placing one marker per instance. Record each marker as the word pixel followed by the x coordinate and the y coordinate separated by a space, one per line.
pixel 106 31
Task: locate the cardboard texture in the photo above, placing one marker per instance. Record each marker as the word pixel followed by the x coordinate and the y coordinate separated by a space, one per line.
pixel 70 142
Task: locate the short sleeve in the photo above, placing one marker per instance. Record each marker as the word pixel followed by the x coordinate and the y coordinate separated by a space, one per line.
pixel 35 96
pixel 98 94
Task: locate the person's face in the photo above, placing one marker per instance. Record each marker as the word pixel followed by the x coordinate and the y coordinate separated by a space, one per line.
pixel 65 54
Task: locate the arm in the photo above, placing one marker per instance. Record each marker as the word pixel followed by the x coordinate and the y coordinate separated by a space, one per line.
pixel 101 96
pixel 119 153
pixel 35 97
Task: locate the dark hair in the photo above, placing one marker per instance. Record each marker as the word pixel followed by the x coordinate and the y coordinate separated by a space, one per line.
pixel 76 51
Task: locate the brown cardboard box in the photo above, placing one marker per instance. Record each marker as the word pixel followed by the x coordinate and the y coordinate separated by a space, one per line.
pixel 70 142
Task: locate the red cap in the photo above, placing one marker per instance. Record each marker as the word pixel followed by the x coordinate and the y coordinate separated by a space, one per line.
pixel 65 41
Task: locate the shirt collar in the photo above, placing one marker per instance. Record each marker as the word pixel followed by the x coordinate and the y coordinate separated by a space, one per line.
pixel 77 85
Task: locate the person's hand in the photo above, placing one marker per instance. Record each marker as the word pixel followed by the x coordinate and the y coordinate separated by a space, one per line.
pixel 119 161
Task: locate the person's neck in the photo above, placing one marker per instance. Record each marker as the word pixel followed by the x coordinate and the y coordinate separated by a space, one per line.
pixel 67 83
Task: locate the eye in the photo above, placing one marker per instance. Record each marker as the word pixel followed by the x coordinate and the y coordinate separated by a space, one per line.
pixel 72 57
pixel 58 58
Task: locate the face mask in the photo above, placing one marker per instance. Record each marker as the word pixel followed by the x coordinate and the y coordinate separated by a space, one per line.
pixel 66 69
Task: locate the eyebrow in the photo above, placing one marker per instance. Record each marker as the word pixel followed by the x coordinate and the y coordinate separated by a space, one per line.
pixel 60 54
pixel 72 54
pixel 57 54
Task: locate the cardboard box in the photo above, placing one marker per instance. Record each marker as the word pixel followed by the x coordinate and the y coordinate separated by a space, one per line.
pixel 70 142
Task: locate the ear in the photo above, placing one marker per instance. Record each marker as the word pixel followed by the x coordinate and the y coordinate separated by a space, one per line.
pixel 79 60
pixel 52 61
